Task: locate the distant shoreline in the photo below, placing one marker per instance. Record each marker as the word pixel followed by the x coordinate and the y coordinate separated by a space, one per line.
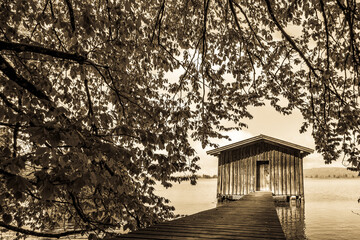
pixel 317 173
pixel 337 177
pixel 326 173
pixel 205 176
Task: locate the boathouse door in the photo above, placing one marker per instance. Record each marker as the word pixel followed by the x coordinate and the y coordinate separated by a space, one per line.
pixel 262 176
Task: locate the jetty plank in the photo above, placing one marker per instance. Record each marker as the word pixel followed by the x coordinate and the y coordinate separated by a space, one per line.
pixel 252 217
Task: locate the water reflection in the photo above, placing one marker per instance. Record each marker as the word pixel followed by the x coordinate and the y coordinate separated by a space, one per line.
pixel 292 218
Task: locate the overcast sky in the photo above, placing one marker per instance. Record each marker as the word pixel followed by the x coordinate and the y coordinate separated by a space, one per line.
pixel 271 123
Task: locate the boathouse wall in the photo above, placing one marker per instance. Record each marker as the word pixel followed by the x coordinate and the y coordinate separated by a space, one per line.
pixel 260 167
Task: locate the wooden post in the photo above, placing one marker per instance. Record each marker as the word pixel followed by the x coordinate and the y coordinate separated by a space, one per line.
pixel 239 172
pixel 246 172
pixel 250 166
pixel 235 172
pixel 272 170
pixel 284 171
pixel 242 173
pixel 297 174
pixel 276 168
pixel 222 173
pixel 253 169
pixel 292 176
pixel 281 182
pixel 218 191
pixel 288 185
pixel 231 173
pixel 285 163
pixel 301 175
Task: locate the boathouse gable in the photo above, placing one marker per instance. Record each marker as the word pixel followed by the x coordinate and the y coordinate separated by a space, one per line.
pixel 260 163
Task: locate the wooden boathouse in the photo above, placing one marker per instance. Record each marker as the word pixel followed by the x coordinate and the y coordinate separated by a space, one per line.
pixel 260 163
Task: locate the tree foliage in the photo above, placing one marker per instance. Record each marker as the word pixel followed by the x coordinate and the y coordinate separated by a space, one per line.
pixel 92 116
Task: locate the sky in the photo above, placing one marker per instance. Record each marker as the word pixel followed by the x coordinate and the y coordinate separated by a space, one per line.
pixel 271 123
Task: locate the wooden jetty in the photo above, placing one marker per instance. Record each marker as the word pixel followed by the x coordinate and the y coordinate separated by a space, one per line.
pixel 252 217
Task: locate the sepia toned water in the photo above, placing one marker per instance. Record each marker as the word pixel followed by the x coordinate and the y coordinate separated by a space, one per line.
pixel 329 211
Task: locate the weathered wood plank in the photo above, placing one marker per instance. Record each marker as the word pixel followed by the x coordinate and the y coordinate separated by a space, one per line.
pixel 292 175
pixel 254 173
pixel 301 176
pixel 218 186
pixel 228 172
pixel 283 160
pixel 222 173
pixel 237 167
pixel 272 171
pixel 269 157
pixel 235 171
pixel 246 172
pixel 297 176
pixel 284 172
pixel 252 217
pixel 288 159
pixel 238 172
pixel 242 174
pixel 226 177
pixel 231 173
pixel 277 171
pixel 281 182
pixel 250 166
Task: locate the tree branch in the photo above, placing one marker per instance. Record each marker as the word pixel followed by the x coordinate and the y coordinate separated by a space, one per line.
pixel 40 234
pixel 78 209
pixel 90 112
pixel 10 72
pixel 22 47
pixel 109 19
pixel 158 21
pixel 8 124
pixel 249 24
pixel 289 39
pixel 71 13
pixel 293 44
pixel 204 47
pixel 38 23
pixel 138 222
pixel 322 5
pixel 10 104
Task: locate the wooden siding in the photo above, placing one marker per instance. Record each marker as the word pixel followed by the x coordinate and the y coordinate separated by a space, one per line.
pixel 238 169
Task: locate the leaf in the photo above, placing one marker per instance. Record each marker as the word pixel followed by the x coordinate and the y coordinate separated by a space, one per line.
pixel 92 236
pixel 7 218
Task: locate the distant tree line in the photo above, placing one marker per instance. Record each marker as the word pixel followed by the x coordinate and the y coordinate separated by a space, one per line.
pixel 207 176
pixel 329 173
pixel 332 176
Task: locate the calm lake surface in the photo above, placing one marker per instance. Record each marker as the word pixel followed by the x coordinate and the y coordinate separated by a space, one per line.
pixel 328 212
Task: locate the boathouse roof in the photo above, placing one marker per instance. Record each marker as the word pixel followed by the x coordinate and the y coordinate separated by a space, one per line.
pixel 258 139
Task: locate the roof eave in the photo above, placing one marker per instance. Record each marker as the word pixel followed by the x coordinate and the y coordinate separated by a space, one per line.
pixel 270 140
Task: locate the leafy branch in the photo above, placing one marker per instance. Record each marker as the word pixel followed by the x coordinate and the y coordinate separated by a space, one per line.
pixel 42 234
pixel 22 47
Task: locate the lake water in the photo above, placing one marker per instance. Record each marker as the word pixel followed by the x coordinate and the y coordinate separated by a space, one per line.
pixel 329 211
